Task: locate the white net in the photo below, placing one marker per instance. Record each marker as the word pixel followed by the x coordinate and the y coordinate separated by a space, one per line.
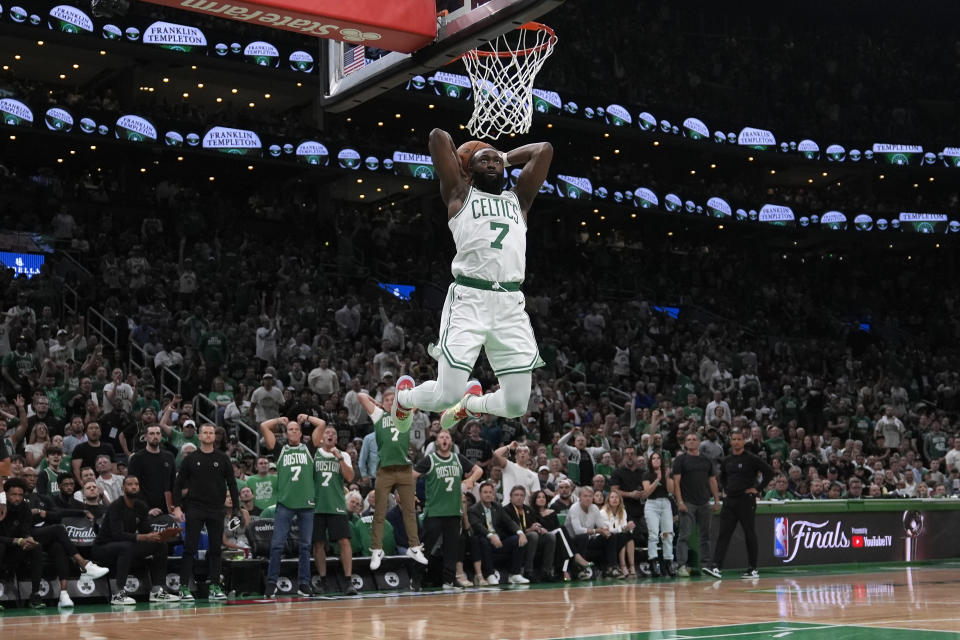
pixel 502 76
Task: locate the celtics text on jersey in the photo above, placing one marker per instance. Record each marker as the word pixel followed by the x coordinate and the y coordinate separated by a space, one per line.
pixel 490 235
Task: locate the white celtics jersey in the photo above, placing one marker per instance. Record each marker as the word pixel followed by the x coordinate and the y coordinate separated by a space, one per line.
pixel 491 237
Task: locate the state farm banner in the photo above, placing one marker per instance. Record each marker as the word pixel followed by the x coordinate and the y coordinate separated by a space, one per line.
pixel 856 536
pixel 397 26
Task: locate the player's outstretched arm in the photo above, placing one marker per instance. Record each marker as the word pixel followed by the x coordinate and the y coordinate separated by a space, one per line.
pixel 453 182
pixel 536 158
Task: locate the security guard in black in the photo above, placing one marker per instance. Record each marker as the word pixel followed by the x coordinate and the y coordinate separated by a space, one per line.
pixel 738 477
pixel 205 477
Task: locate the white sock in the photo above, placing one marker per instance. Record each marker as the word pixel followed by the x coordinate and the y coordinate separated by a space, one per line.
pixel 436 395
pixel 509 401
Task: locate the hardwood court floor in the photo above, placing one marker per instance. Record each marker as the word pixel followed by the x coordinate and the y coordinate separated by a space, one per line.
pixel 878 603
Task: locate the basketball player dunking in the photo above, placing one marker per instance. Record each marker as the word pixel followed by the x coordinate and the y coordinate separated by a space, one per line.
pixel 484 305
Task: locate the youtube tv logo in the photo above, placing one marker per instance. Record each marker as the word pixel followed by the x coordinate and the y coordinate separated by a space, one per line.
pixel 856 542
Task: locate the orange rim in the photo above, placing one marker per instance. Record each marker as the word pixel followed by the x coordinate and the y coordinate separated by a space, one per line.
pixel 530 26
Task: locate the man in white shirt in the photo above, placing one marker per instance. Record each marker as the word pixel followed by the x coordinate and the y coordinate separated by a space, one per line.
pixel 266 400
pixel 323 380
pixel 385 361
pixel 891 428
pixel 347 318
pixel 590 533
pixel 516 473
pixel 266 340
pixel 63 348
pixel 111 485
pixel 355 411
pixel 721 380
pixel 117 394
pixel 164 358
pixel 953 456
pixel 712 415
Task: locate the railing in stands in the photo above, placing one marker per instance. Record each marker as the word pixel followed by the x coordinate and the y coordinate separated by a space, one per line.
pixel 620 393
pixel 248 438
pixel 169 382
pixel 137 357
pixel 69 302
pixel 105 330
pixel 578 375
pixel 75 264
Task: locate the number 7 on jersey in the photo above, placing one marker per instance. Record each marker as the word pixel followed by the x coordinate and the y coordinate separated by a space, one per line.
pixel 504 228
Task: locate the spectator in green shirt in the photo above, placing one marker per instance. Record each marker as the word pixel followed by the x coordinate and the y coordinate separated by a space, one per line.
pixel 692 409
pixel 263 484
pixel 19 367
pixel 605 467
pixel 213 348
pixel 776 444
pixel 148 399
pixel 178 438
pixel 779 491
pixel 788 406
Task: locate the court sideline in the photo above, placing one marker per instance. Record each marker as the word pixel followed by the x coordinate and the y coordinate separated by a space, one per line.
pixel 799 604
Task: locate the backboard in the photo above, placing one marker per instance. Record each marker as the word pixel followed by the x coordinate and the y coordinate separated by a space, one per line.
pixel 404 25
pixel 355 74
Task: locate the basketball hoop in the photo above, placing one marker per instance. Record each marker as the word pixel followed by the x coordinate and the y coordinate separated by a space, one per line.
pixel 502 74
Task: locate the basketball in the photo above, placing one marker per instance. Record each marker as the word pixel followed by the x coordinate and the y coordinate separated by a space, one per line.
pixel 466 151
pixel 169 533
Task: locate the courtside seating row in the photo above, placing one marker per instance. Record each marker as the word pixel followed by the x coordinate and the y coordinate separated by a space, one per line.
pixel 243 576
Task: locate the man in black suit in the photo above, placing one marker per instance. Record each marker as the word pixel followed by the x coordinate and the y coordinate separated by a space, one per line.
pixel 541 542
pixel 495 533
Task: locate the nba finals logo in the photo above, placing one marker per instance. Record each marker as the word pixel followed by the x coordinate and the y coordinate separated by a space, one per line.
pixel 781 537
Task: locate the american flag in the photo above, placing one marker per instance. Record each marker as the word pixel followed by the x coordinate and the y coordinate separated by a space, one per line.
pixel 353 59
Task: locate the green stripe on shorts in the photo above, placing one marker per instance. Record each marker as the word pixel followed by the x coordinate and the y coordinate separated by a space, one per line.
pixel 453 362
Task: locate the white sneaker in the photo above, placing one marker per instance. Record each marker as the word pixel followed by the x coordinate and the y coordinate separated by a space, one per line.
pixel 95 571
pixel 517 579
pixel 162 595
pixel 712 571
pixel 376 557
pixel 449 586
pixel 121 598
pixel 65 600
pixel 417 554
pixel 493 579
